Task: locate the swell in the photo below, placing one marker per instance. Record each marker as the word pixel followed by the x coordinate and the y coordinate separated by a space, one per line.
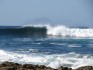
pixel 24 31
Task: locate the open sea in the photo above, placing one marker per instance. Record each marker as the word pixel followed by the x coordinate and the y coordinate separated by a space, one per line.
pixel 52 46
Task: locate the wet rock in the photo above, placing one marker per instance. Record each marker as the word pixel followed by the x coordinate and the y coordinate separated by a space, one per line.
pixel 85 68
pixel 8 68
pixel 64 68
pixel 6 63
pixel 22 69
pixel 60 68
pixel 15 66
pixel 28 66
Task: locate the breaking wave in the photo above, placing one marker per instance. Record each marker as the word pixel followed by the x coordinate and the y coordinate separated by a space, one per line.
pixel 47 30
pixel 64 31
pixel 24 31
pixel 70 32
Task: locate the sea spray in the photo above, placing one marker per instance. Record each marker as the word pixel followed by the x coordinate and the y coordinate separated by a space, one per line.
pixel 64 31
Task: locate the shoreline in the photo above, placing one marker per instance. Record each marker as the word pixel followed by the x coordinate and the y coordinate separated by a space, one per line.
pixel 16 66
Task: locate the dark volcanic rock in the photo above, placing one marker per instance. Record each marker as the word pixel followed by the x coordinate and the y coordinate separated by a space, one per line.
pixel 64 68
pixel 8 68
pixel 85 68
pixel 15 66
pixel 6 63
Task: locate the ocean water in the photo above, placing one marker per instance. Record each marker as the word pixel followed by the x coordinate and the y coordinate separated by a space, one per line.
pixel 52 46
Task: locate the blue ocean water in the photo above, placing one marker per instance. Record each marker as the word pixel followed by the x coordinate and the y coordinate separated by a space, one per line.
pixel 37 48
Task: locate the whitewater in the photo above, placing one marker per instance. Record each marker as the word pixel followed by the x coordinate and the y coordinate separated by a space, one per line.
pixel 58 46
pixel 72 60
pixel 70 32
pixel 64 31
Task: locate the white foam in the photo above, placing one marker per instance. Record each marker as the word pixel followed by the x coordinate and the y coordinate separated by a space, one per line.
pixel 36 25
pixel 69 32
pixel 64 31
pixel 72 60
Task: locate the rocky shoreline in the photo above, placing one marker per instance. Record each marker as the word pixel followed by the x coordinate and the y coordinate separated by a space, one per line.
pixel 15 66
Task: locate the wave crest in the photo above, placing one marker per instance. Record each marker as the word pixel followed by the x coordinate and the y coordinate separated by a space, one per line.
pixel 70 32
pixel 26 31
pixel 48 30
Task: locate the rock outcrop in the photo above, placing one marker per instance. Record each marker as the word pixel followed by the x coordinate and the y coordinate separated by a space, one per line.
pixel 15 66
pixel 85 68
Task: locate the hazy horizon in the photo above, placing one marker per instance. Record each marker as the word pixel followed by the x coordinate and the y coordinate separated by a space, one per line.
pixel 56 12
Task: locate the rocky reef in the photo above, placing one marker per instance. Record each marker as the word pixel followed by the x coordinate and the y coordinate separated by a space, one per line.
pixel 15 66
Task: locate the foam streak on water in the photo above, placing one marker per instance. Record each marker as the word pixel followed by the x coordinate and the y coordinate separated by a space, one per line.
pixel 70 60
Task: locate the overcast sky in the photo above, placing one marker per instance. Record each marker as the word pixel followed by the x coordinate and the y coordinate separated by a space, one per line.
pixel 66 12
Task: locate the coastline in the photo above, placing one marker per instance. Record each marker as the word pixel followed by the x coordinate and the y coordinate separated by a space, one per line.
pixel 16 66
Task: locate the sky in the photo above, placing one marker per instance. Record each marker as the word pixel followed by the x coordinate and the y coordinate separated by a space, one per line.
pixel 61 12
